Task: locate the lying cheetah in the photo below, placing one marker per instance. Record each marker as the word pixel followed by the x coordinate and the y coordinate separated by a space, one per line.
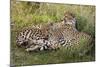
pixel 53 36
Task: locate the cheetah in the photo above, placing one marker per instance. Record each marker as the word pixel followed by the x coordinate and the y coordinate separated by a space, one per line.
pixel 53 36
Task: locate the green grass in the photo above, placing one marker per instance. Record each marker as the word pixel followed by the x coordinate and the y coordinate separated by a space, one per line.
pixel 25 14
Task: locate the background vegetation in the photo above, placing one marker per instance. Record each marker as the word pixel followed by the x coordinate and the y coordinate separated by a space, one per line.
pixel 25 14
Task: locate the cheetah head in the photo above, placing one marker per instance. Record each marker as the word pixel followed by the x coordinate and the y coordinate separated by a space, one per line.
pixel 21 40
pixel 69 19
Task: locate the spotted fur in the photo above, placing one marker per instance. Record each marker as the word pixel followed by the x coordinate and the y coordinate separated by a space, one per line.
pixel 52 36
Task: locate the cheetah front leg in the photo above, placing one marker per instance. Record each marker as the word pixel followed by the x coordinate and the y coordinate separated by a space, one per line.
pixel 32 48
